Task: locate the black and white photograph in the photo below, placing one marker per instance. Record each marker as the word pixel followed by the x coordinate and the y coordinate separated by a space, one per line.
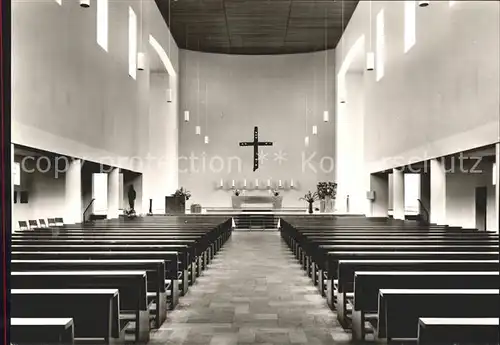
pixel 250 172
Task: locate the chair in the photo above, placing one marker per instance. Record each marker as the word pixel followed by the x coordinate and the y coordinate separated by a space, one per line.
pixel 42 223
pixel 59 222
pixel 51 222
pixel 33 224
pixel 23 225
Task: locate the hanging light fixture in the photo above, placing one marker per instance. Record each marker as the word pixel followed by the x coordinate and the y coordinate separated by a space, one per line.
pixel 326 115
pixel 186 112
pixel 206 116
pixel 85 3
pixel 341 91
pixel 306 140
pixel 370 56
pixel 423 3
pixel 198 128
pixel 141 56
pixel 169 90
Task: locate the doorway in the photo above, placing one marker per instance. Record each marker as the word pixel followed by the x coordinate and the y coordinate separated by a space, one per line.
pixel 481 207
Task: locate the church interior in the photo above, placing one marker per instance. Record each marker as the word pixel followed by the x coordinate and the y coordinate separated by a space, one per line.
pixel 228 172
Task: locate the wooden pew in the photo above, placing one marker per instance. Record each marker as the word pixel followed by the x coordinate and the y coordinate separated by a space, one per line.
pixel 38 331
pixel 95 312
pixel 170 259
pixel 130 284
pixel 461 331
pixel 195 253
pixel 348 268
pixel 183 252
pixel 368 284
pixel 399 310
pixel 155 273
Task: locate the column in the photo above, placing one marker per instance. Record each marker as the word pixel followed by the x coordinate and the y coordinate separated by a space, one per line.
pixel 73 192
pixel 425 193
pixel 438 192
pixel 113 193
pixel 379 184
pixel 496 172
pixel 398 194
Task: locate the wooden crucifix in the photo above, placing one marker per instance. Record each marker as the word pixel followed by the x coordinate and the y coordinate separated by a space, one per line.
pixel 256 143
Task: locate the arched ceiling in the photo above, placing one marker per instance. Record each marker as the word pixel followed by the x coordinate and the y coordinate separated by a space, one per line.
pixel 256 26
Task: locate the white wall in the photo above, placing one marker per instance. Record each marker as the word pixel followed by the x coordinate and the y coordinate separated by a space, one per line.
pixel 461 202
pixel 439 98
pixel 69 95
pixel 46 195
pixel 247 91
pixel 350 150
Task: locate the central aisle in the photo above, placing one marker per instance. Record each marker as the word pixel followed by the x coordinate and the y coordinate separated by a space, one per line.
pixel 254 292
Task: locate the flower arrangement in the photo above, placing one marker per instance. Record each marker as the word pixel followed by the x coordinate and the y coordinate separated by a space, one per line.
pixel 310 197
pixel 181 192
pixel 237 192
pixel 327 189
pixel 276 192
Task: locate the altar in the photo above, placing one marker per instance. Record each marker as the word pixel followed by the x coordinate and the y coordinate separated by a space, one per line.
pixel 271 201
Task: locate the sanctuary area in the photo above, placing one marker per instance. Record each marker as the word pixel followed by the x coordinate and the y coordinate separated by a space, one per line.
pixel 226 172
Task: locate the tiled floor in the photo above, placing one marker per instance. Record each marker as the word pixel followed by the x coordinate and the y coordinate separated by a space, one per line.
pixel 253 293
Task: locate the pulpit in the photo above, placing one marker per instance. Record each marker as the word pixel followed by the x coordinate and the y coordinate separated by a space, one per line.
pixel 241 201
pixel 175 204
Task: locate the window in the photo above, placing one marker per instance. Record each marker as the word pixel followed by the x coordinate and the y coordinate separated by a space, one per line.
pixel 380 45
pixel 410 18
pixel 102 23
pixel 132 43
pixel 16 174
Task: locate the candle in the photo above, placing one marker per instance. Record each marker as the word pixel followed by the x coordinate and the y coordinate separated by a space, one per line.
pixel 232 184
pixel 279 183
pixel 244 182
pixel 291 183
pixel 221 182
pixel 269 183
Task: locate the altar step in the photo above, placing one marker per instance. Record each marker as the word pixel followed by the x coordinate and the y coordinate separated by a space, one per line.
pixel 251 221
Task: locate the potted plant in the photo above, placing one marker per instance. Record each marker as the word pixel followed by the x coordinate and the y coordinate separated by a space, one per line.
pixel 181 192
pixel 310 198
pixel 326 193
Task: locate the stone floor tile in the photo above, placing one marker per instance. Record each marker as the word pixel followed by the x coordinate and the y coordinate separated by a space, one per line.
pixel 253 292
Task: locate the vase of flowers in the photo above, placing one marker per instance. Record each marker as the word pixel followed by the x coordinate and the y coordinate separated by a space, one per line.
pixel 327 192
pixel 310 198
pixel 237 192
